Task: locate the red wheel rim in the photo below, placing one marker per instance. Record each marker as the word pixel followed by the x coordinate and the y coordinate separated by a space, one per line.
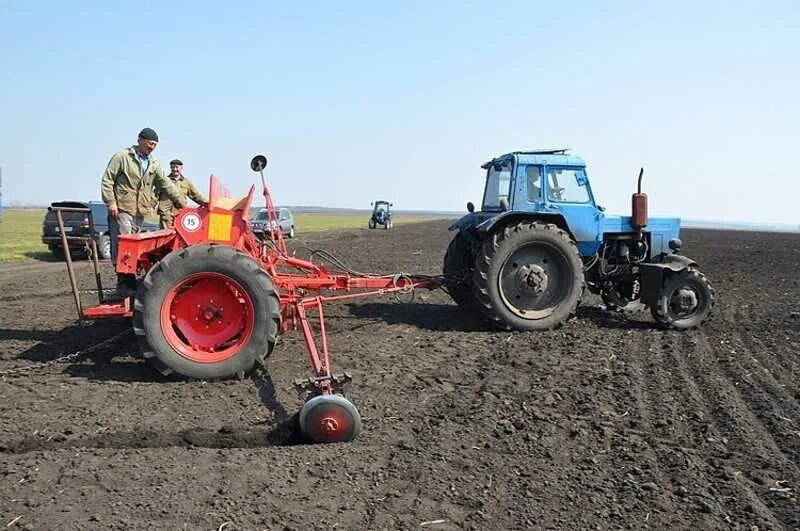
pixel 329 423
pixel 207 317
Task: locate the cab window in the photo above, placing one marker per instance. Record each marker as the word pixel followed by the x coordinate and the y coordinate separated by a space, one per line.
pixel 567 185
pixel 533 179
pixel 498 186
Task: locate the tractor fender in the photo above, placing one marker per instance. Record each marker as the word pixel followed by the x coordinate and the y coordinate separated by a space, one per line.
pixel 653 275
pixel 515 216
pixel 464 223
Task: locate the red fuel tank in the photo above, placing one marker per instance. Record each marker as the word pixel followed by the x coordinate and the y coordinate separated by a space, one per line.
pixel 639 206
pixel 639 211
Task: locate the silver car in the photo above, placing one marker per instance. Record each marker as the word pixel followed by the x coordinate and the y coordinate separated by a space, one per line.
pixel 285 223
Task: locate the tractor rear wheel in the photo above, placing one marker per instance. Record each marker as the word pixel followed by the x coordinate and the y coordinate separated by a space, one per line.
pixel 685 301
pixel 457 270
pixel 206 312
pixel 528 276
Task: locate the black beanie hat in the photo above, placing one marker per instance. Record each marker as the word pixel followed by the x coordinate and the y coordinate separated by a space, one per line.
pixel 148 134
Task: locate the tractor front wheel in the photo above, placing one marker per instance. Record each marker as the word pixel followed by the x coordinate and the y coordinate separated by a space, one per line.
pixel 528 276
pixel 206 312
pixel 685 301
pixel 371 223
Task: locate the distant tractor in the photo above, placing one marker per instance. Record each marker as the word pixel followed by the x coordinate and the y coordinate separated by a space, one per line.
pixel 524 260
pixel 381 215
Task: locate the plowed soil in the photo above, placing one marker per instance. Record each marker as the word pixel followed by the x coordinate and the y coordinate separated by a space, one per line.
pixel 607 422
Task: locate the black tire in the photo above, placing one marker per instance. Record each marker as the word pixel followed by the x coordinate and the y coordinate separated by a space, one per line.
pixel 58 251
pixel 528 276
pixel 75 253
pixel 334 407
pixel 457 270
pixel 291 232
pixel 371 223
pixel 171 278
pixel 690 285
pixel 104 247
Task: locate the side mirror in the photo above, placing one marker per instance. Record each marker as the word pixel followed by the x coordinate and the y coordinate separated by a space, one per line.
pixel 470 207
pixel 391 204
pixel 370 204
pixel 258 163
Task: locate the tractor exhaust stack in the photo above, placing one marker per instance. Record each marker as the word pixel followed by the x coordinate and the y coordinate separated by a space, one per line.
pixel 639 208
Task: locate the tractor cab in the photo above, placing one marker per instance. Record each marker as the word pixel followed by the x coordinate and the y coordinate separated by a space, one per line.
pixel 552 184
pixel 381 215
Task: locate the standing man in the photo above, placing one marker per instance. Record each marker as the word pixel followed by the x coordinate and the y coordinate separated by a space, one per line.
pixel 167 209
pixel 130 186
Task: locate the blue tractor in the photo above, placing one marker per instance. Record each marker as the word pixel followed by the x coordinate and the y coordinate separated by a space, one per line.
pixel 539 240
pixel 381 215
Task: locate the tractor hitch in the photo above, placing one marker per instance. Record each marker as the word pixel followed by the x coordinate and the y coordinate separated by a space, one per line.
pixel 337 383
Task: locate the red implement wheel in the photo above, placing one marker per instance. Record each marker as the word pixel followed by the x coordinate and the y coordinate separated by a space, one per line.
pixel 207 312
pixel 207 317
pixel 330 418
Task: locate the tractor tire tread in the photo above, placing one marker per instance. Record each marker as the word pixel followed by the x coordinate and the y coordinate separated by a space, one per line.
pixel 458 260
pixel 486 258
pixel 169 271
pixel 664 320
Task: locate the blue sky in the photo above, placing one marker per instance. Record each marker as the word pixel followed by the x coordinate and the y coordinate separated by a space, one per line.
pixel 353 101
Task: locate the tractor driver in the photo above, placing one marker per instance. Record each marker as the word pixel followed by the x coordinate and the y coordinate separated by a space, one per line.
pixel 534 174
pixel 130 185
pixel 167 209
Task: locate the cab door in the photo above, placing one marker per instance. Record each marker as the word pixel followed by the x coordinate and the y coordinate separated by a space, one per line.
pixel 566 192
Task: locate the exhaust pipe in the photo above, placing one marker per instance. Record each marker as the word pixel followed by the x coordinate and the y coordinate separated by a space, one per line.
pixel 639 208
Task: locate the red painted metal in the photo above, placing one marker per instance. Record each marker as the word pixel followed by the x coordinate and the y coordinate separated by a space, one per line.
pixel 135 250
pixel 328 422
pixel 207 317
pixel 109 310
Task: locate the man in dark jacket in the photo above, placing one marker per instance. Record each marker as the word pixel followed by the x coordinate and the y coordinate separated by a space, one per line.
pixel 130 186
pixel 167 209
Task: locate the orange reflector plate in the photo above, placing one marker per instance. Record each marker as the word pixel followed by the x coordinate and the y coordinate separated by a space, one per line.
pixel 220 226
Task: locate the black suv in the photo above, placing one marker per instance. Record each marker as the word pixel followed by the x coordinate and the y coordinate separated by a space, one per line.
pixel 92 224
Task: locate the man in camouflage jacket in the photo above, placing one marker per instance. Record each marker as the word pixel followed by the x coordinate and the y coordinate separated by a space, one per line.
pixel 166 207
pixel 130 187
